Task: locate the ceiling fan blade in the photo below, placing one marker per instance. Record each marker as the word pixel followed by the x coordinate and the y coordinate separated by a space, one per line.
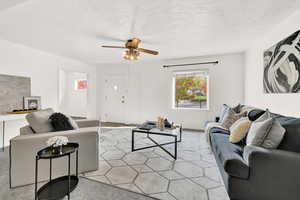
pixel 148 51
pixel 116 47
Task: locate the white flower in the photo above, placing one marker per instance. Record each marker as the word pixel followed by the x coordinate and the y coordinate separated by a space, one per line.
pixel 57 141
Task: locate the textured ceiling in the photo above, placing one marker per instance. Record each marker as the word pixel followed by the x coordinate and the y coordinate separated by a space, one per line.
pixel 177 28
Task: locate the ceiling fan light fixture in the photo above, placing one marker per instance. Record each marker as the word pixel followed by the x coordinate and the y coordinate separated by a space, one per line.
pixel 131 54
pixel 132 51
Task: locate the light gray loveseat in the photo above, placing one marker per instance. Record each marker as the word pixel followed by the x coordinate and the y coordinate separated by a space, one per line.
pixel 23 149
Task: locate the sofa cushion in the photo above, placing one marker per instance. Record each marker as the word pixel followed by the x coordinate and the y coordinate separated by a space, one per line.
pixel 230 155
pixel 39 121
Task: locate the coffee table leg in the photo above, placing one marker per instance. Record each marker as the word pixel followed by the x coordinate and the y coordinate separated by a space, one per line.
pixel 132 140
pixel 175 149
pixel 180 133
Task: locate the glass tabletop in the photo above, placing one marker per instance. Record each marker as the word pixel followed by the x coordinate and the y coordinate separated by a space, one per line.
pixel 167 131
pixel 48 152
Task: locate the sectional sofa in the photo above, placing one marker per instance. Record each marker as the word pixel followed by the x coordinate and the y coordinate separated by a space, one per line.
pixel 255 173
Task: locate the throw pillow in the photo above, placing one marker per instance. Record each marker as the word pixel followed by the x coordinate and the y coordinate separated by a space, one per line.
pixel 239 130
pixel 39 121
pixel 230 117
pixel 255 114
pixel 265 132
pixel 72 122
pixel 225 109
pixel 237 108
pixel 60 122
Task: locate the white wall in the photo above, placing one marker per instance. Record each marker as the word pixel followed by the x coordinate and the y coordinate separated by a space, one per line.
pixel 254 95
pixel 43 69
pixel 72 102
pixel 150 88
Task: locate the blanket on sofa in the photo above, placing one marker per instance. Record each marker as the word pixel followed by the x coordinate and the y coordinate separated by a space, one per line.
pixel 209 126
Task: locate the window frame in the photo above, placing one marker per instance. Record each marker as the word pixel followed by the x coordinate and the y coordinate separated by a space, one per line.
pixel 204 73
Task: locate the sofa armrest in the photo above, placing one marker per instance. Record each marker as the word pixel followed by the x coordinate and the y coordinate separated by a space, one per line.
pixel 253 154
pixel 237 167
pixel 274 173
pixel 23 150
pixel 83 123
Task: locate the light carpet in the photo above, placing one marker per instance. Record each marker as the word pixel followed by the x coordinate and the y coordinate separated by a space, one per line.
pixel 194 175
pixel 86 189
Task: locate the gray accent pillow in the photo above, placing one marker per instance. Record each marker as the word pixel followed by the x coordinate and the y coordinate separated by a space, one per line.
pixel 265 132
pixel 230 117
pixel 39 121
pixel 72 122
pixel 224 110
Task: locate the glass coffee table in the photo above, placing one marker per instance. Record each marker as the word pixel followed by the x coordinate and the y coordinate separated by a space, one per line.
pixel 175 133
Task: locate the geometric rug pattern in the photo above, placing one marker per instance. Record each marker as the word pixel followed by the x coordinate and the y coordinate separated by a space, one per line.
pixel 194 175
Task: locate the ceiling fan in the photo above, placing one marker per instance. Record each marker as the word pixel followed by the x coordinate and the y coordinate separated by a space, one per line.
pixel 133 50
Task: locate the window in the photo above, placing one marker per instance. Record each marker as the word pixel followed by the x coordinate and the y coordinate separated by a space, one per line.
pixel 80 84
pixel 191 90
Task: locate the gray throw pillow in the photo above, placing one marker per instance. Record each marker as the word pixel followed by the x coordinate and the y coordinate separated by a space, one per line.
pixel 72 122
pixel 224 110
pixel 265 132
pixel 39 121
pixel 230 117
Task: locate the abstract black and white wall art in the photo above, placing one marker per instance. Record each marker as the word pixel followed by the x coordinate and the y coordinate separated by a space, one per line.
pixel 282 66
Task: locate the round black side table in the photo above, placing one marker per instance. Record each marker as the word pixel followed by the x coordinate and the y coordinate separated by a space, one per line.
pixel 62 186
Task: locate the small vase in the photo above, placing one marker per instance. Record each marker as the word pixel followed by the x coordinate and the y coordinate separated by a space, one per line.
pixel 161 126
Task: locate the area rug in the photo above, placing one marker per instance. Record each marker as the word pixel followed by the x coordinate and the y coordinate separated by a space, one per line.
pixel 86 189
pixel 194 175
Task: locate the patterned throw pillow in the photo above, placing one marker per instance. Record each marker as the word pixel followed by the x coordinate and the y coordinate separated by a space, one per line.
pixel 226 108
pixel 237 108
pixel 239 130
pixel 265 132
pixel 230 117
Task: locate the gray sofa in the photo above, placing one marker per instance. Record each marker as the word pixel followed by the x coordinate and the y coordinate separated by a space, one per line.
pixel 255 173
pixel 24 147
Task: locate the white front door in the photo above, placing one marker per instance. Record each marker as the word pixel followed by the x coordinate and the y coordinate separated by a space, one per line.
pixel 115 92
